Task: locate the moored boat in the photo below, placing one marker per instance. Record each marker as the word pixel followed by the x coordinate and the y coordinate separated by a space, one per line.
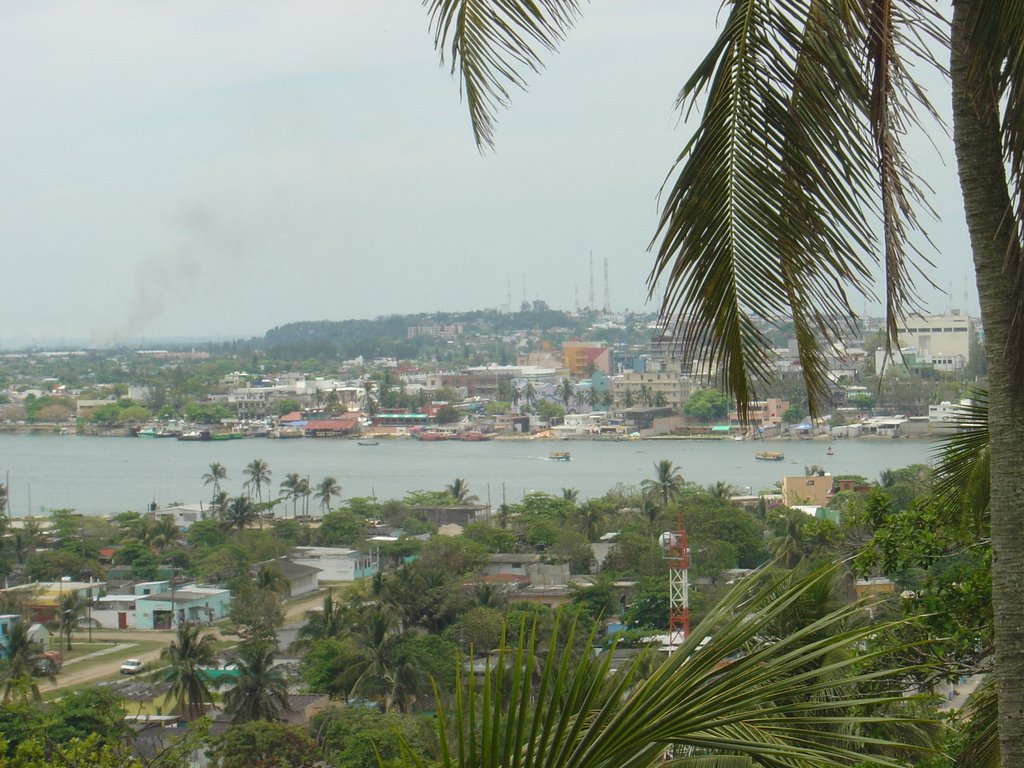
pixel 368 442
pixel 195 435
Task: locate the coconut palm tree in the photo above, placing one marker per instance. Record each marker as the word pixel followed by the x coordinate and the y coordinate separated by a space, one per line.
pixel 184 656
pixel 258 472
pixel 666 485
pixel 788 545
pixel 219 503
pixel 217 473
pixel 304 491
pixel 326 490
pixel 291 485
pixel 764 213
pixel 19 664
pixel 329 621
pixel 260 692
pixel 720 490
pixel 270 578
pixel 529 393
pixel 74 614
pixel 564 392
pixel 459 490
pixel 238 513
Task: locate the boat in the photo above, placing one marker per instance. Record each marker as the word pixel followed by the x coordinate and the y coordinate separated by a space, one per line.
pixel 146 432
pixel 474 437
pixel 430 435
pixel 829 451
pixel 227 436
pixel 368 442
pixel 286 433
pixel 195 435
pixel 560 456
pixel 769 456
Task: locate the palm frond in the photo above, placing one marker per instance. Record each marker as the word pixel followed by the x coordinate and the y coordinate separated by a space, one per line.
pixel 962 466
pixel 980 747
pixel 766 213
pixel 731 692
pixel 491 45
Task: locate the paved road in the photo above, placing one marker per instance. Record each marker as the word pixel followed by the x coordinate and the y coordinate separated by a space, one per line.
pixel 127 638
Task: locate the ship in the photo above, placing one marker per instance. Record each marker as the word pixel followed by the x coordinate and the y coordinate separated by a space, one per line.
pixel 560 456
pixel 769 456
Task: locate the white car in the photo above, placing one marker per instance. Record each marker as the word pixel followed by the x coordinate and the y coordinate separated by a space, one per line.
pixel 132 667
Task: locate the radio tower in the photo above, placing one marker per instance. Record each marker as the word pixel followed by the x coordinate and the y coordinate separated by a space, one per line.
pixel 678 585
pixel 607 300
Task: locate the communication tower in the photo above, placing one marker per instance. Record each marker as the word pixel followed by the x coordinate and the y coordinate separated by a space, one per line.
pixel 678 555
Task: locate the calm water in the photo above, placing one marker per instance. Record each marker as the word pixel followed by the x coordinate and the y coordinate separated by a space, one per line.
pixel 97 475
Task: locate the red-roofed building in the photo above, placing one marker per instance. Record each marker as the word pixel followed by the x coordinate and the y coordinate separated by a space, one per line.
pixel 331 427
pixel 292 417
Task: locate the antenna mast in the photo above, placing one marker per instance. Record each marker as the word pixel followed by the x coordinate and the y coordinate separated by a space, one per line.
pixel 678 585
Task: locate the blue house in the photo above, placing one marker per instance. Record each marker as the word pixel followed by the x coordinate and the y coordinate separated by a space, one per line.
pixel 163 610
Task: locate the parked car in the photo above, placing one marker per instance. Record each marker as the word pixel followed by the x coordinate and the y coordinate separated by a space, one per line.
pixel 132 667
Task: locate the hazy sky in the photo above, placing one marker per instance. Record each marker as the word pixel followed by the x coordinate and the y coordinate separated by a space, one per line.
pixel 218 168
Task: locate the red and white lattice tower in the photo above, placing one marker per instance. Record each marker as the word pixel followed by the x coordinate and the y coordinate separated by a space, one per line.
pixel 678 586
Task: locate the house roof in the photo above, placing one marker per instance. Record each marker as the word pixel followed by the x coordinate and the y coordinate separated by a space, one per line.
pixel 513 558
pixel 331 425
pixel 288 569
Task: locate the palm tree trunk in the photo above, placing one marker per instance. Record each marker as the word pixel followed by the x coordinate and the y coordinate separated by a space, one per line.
pixel 996 258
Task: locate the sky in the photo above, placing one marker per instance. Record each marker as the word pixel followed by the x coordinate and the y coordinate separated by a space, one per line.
pixel 188 169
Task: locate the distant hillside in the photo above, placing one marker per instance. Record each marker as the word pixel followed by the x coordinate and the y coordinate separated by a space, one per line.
pixel 387 336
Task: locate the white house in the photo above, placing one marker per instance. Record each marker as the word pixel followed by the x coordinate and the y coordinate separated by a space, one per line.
pixel 336 563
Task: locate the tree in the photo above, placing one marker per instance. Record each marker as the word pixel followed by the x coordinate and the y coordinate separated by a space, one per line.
pixel 323 624
pixel 765 210
pixel 549 411
pixel 239 513
pixel 666 484
pixel 707 405
pixel 292 485
pixel 270 578
pixel 19 665
pixel 258 472
pixel 217 473
pixel 74 614
pixel 184 656
pixel 260 692
pixel 256 614
pixel 459 491
pixel 326 490
pixel 564 391
pixel 260 744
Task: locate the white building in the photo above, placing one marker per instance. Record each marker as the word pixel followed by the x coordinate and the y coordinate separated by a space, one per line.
pixel 336 563
pixel 940 340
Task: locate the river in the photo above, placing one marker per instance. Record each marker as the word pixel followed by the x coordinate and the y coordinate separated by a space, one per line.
pixel 103 475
